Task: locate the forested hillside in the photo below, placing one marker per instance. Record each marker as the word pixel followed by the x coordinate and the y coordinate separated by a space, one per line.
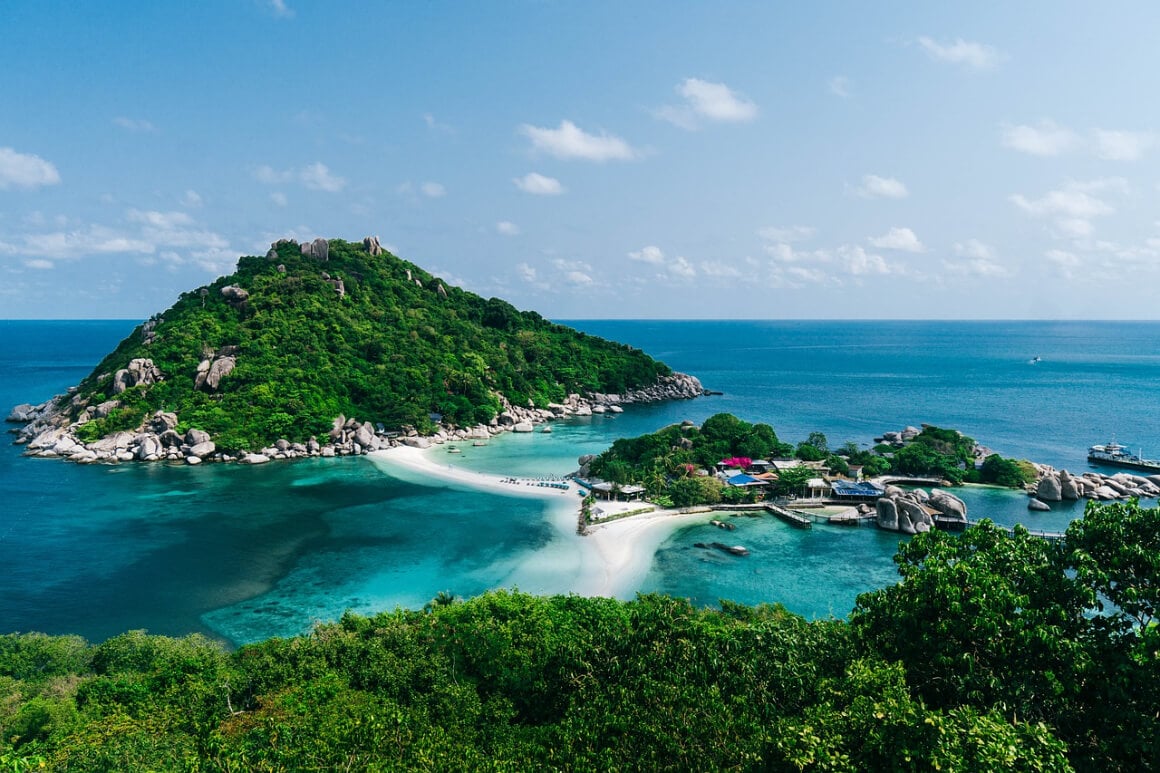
pixel 291 340
pixel 994 652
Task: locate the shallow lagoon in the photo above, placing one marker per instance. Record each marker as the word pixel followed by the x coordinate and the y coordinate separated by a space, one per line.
pixel 246 553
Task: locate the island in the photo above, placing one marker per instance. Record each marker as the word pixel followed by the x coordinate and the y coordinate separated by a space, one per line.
pixel 329 348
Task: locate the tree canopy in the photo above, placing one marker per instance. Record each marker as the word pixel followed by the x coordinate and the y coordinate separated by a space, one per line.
pixel 995 651
pixel 396 345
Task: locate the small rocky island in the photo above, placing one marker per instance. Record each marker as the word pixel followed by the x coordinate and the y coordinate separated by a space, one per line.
pixel 276 360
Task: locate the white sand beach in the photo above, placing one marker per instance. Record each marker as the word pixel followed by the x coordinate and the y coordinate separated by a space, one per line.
pixel 612 560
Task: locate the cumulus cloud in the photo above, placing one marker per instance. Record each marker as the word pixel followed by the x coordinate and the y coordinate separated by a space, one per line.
pixel 24 170
pixel 709 101
pixel 569 141
pixel 840 86
pixel 855 260
pixel 1072 207
pixel 538 184
pixel 650 254
pixel 319 178
pixel 507 228
pixel 432 190
pixel 526 272
pixel 975 56
pixel 437 126
pixel 279 198
pixel 720 270
pixel 902 239
pixel 191 199
pixel 1044 139
pixel 682 267
pixel 875 187
pixel 134 124
pixel 1114 145
pixel 174 236
pixel 281 10
pixel 578 278
pixel 39 263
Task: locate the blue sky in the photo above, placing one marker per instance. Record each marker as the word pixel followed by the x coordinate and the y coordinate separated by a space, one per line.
pixel 595 159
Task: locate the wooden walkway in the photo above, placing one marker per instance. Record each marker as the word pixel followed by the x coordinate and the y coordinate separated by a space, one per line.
pixel 1050 536
pixel 789 516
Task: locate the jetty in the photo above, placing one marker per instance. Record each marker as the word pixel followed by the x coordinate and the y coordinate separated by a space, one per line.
pixel 791 517
pixel 1050 536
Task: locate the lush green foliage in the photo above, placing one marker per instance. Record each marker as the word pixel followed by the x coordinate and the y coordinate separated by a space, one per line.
pixel 665 462
pixel 946 453
pixel 995 652
pixel 391 351
pixel 1001 471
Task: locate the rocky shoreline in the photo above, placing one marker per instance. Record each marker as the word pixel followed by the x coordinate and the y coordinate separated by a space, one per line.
pixel 1057 486
pixel 47 431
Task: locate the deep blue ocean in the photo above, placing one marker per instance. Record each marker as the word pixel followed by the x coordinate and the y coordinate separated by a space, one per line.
pixel 245 553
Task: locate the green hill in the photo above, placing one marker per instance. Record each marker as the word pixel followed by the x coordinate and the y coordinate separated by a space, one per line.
pixel 295 338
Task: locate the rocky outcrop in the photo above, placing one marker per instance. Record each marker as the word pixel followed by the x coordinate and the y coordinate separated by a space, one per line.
pixel 1035 504
pixel 140 372
pixel 211 370
pixel 1049 489
pixel 950 507
pixel 318 249
pixel 906 512
pixel 372 246
pixel 1057 486
pixel 235 295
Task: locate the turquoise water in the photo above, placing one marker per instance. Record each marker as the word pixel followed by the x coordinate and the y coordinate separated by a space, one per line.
pixel 247 553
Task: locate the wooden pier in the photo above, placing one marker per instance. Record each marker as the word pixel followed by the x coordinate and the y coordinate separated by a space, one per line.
pixel 793 519
pixel 1050 536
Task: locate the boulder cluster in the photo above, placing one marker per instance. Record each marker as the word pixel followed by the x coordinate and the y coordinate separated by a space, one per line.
pixel 912 512
pixel 48 432
pixel 1057 486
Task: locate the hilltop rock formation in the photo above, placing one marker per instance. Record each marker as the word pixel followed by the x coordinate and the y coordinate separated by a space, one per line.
pixel 372 246
pixel 913 512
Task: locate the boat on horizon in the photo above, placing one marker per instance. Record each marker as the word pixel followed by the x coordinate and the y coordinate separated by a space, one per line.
pixel 1117 455
pixel 1035 360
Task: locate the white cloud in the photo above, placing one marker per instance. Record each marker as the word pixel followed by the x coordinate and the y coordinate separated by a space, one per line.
pixel 570 141
pixel 1064 260
pixel 165 220
pixel 1075 227
pixel 973 248
pixel 317 177
pixel 191 199
pixel 720 270
pixel 507 228
pixel 856 261
pixel 433 190
pixel 682 268
pixel 1045 139
pixel 977 56
pixel 840 86
pixel 1113 145
pixel 902 239
pixel 578 278
pixel 39 264
pixel 650 254
pixel 278 198
pixel 1071 201
pixel 793 233
pixel 539 185
pixel 24 170
pixel 874 187
pixel 708 101
pixel 716 101
pixel 134 124
pixel 526 272
pixel 281 10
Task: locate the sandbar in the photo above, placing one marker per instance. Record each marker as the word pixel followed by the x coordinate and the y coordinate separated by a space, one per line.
pixel 612 560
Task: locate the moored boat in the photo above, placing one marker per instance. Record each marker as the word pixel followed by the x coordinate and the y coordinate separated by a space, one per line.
pixel 1117 455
